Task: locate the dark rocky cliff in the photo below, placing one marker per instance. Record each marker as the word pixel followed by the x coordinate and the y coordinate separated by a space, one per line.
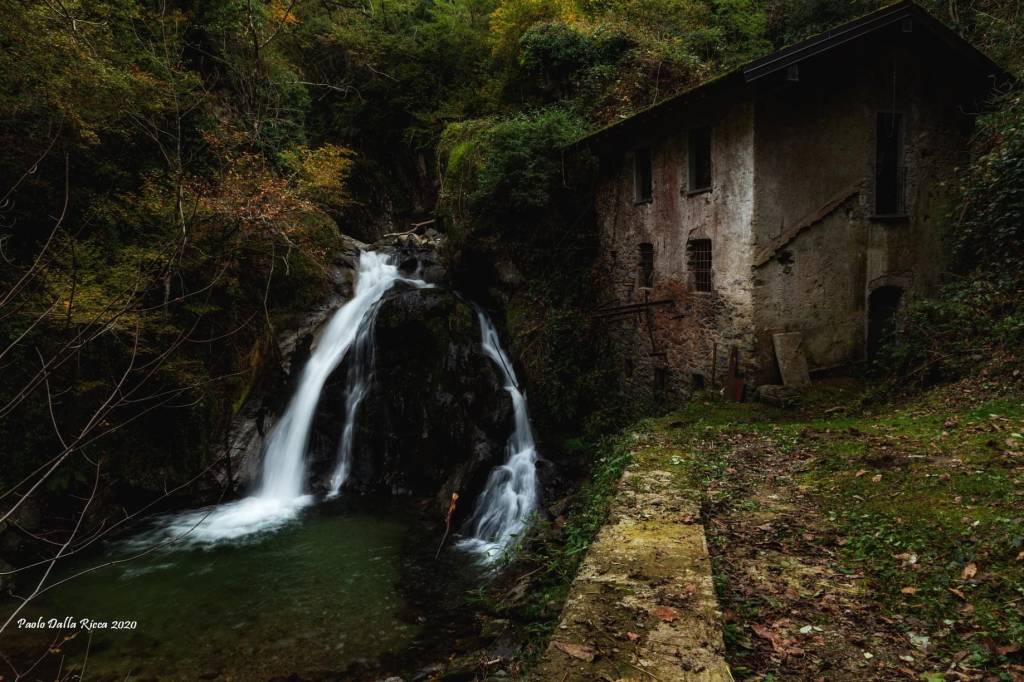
pixel 436 417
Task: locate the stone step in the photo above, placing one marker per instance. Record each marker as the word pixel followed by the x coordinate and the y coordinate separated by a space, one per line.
pixel 643 606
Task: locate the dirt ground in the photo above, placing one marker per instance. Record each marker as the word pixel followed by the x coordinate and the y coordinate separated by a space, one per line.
pixel 851 543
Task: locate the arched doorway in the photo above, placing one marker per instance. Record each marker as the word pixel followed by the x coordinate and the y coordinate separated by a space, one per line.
pixel 883 303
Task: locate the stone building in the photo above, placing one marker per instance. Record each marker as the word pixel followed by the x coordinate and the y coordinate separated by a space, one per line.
pixel 805 191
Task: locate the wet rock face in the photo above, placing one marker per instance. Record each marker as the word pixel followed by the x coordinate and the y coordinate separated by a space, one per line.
pixel 243 454
pixel 418 259
pixel 436 417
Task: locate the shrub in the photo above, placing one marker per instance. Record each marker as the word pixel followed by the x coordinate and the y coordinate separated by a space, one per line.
pixel 501 173
pixel 555 51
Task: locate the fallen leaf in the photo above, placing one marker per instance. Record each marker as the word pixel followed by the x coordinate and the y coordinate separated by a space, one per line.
pixel 1020 557
pixel 877 478
pixel 765 633
pixel 1008 649
pixel 778 643
pixel 666 613
pixel 580 651
pixel 970 570
pixel 906 557
pixel 632 636
pixel 908 590
pixel 920 641
pixel 958 593
pixel 860 473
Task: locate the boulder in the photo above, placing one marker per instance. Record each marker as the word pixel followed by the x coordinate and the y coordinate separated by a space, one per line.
pixel 436 417
pixel 777 395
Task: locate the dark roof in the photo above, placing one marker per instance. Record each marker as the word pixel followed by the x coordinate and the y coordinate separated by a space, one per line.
pixel 739 78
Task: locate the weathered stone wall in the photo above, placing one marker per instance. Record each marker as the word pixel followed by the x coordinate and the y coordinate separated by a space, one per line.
pixel 795 244
pixel 819 253
pixel 669 344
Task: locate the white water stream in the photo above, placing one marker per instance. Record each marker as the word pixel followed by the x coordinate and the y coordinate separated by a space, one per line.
pixel 281 493
pixel 510 496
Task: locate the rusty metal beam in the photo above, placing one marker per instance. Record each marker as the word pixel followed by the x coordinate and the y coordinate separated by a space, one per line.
pixel 630 308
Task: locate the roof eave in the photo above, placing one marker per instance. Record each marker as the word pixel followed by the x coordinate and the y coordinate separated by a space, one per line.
pixel 777 61
pixel 858 28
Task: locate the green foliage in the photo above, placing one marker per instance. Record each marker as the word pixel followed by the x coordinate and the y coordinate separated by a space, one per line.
pixel 990 231
pixel 511 197
pixel 964 325
pixel 555 52
pixel 792 21
pixel 505 170
pixel 591 506
pixel 164 150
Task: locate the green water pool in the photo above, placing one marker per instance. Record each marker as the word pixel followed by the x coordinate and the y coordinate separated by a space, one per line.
pixel 338 593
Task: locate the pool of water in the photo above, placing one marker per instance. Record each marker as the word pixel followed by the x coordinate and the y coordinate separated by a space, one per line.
pixel 338 593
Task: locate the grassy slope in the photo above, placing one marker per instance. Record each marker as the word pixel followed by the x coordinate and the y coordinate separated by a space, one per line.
pixel 845 539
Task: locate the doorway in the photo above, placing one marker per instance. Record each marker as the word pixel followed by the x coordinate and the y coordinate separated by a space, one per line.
pixel 883 304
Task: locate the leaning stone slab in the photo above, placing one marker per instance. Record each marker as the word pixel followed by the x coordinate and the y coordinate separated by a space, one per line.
pixel 643 605
pixel 789 353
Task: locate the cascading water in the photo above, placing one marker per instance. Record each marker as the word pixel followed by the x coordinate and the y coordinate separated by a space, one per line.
pixel 510 495
pixel 357 386
pixel 281 491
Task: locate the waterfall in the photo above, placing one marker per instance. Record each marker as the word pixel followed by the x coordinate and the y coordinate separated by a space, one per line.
pixel 510 495
pixel 357 386
pixel 281 491
pixel 284 469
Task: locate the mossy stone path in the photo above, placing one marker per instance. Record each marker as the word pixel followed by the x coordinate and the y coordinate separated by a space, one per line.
pixel 643 605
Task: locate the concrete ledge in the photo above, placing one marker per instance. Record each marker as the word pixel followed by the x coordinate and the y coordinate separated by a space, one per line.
pixel 643 605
